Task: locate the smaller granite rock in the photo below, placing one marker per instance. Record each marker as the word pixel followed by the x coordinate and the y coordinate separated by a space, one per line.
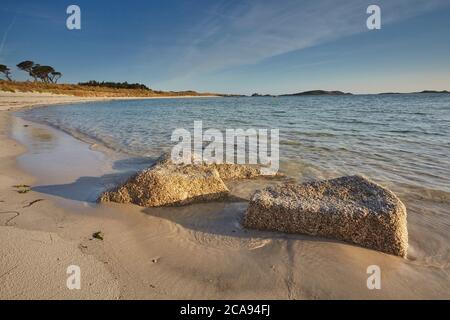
pixel 166 183
pixel 352 209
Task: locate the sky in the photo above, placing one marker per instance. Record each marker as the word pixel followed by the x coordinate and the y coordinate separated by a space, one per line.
pixel 241 47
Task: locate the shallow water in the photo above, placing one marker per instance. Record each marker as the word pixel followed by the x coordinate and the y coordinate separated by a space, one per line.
pixel 401 141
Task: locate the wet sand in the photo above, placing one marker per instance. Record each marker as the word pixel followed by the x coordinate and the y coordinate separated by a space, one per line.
pixel 193 252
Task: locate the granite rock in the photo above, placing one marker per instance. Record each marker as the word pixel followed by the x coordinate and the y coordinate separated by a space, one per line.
pixel 352 209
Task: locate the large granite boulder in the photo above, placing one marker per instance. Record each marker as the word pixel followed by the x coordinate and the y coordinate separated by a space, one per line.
pixel 352 209
pixel 167 183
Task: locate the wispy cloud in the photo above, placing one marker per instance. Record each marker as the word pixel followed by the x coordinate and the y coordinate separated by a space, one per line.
pixel 5 35
pixel 24 12
pixel 247 31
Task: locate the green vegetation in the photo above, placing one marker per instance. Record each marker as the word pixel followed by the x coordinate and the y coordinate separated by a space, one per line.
pixel 26 66
pixel 117 85
pixel 89 91
pixel 21 186
pixel 45 79
pixel 97 235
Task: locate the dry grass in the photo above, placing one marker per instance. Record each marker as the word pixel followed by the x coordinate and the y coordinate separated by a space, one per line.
pixel 88 91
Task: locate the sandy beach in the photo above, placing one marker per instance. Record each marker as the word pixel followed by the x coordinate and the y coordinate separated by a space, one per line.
pixel 33 262
pixel 161 253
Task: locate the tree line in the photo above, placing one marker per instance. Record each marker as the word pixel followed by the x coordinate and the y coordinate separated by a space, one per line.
pixel 45 74
pixel 117 85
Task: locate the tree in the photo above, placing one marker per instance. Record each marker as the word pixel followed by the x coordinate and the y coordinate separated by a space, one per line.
pixel 42 72
pixel 36 71
pixel 54 76
pixel 26 65
pixel 119 85
pixel 6 71
pixel 33 71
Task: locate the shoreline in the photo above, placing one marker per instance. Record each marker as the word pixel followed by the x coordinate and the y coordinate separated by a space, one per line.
pixel 194 252
pixel 69 232
pixel 18 100
pixel 19 214
pixel 31 246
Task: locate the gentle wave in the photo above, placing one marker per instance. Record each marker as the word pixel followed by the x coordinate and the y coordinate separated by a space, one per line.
pixel 380 136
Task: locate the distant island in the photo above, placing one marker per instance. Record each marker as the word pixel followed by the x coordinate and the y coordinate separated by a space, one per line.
pixel 305 93
pixel 317 93
pixel 419 92
pixel 262 95
pixel 433 91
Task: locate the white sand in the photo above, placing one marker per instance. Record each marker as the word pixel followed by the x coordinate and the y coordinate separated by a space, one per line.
pixel 14 100
pixel 33 264
pixel 11 100
pixel 36 263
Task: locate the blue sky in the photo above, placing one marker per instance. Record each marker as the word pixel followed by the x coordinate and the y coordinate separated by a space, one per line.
pixel 240 46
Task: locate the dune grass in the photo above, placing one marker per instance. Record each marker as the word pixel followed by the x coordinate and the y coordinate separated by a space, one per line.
pixel 89 91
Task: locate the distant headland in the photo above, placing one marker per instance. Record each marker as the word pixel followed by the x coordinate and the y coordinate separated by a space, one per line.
pixel 317 93
pixel 419 92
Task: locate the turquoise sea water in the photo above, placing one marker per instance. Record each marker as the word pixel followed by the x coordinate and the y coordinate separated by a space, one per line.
pixel 401 140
